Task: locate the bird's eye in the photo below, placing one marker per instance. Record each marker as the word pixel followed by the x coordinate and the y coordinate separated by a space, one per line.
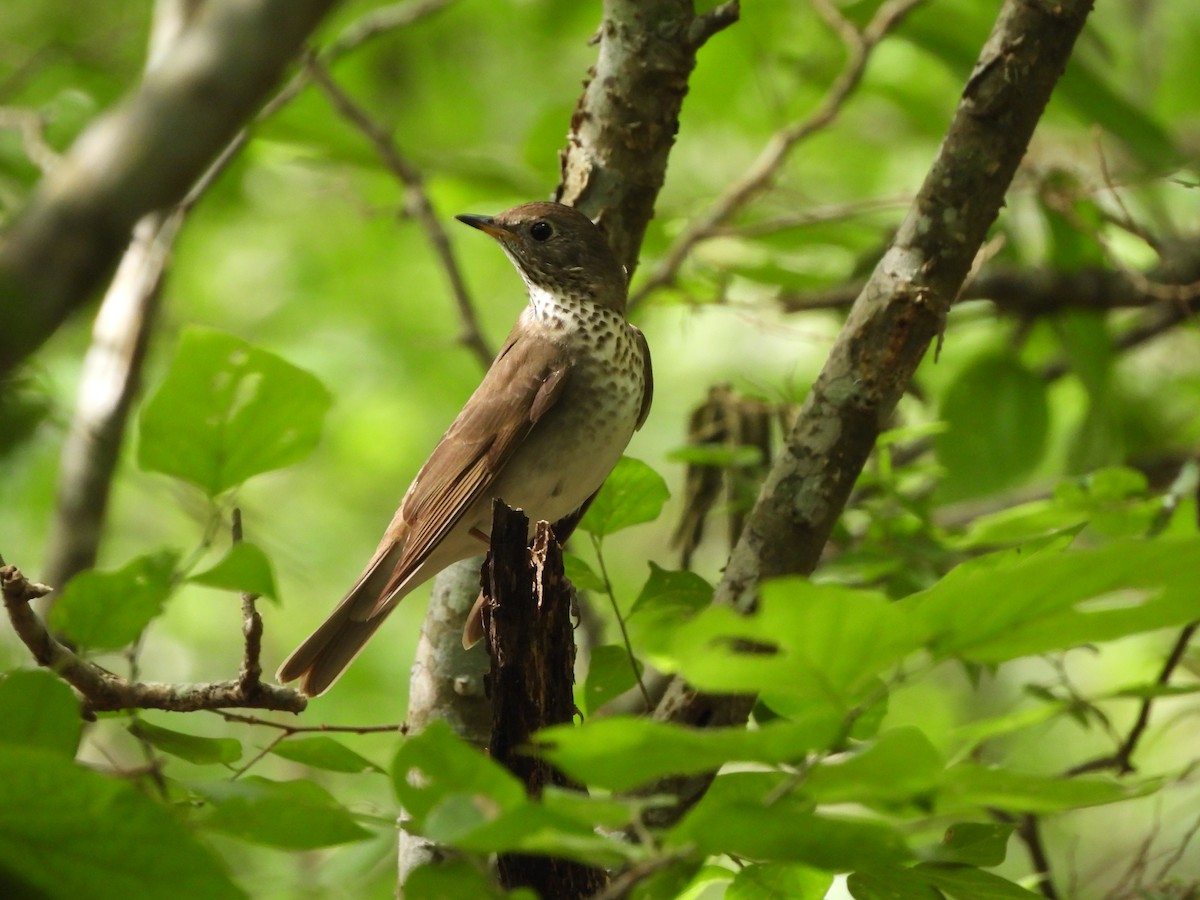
pixel 541 230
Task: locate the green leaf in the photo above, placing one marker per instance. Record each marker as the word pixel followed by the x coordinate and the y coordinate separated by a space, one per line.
pixel 900 764
pixel 975 844
pixel 244 568
pixel 580 574
pixel 610 674
pixel 997 421
pixel 778 881
pixel 669 595
pixel 199 750
pixel 294 815
pixel 967 883
pixel 226 411
pixel 530 828
pixel 621 753
pixel 819 648
pixel 69 833
pixel 1007 605
pixel 323 752
pixel 38 710
pixel 890 883
pixel 969 786
pixel 634 493
pixel 785 831
pixel 437 764
pixel 450 878
pixel 109 610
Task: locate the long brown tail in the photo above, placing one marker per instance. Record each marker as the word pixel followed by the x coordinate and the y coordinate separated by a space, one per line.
pixel 325 654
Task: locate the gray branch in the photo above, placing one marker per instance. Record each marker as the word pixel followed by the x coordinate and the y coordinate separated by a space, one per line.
pixel 141 156
pixel 899 312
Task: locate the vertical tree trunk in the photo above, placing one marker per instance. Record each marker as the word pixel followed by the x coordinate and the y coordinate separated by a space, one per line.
pixel 527 619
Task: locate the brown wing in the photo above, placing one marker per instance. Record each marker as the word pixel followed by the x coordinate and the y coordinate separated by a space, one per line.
pixel 648 371
pixel 523 384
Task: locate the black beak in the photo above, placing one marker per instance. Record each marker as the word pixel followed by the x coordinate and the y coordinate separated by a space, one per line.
pixel 487 225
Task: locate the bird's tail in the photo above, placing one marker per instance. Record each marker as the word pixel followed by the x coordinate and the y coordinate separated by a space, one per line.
pixel 325 654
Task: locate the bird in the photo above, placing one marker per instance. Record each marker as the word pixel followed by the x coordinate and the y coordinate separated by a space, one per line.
pixel 547 424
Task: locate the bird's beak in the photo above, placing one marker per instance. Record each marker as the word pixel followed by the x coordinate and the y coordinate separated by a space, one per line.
pixel 488 225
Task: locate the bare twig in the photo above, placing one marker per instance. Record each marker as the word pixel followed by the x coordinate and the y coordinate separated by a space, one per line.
pixel 372 25
pixel 416 203
pixel 250 675
pixel 762 172
pixel 398 728
pixel 1030 834
pixel 1121 761
pixel 32 127
pixel 102 691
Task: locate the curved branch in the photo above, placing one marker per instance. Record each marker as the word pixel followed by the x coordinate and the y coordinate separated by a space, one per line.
pixel 141 156
pixel 896 317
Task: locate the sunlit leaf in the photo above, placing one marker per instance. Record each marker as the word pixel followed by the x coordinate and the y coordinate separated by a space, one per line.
pixel 779 881
pixel 634 493
pixel 621 753
pixel 109 610
pixel 244 568
pixel 226 411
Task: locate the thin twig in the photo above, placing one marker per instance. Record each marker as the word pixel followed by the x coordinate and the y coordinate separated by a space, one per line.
pixel 399 728
pixel 252 624
pixel 32 126
pixel 762 172
pixel 416 203
pixel 1121 760
pixel 1029 832
pixel 612 598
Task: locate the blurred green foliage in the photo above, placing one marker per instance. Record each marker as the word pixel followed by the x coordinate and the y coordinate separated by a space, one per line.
pixel 991 611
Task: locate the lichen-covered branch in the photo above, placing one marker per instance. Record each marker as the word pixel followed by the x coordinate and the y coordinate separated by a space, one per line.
pixel 900 311
pixel 625 122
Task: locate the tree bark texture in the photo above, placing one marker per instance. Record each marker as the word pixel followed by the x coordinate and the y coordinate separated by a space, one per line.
pixel 900 311
pixel 624 124
pixel 527 621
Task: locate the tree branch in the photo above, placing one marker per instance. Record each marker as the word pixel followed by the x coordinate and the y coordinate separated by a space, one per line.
pixel 762 171
pixel 897 315
pixel 625 122
pixel 103 691
pixel 141 156
pixel 416 203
